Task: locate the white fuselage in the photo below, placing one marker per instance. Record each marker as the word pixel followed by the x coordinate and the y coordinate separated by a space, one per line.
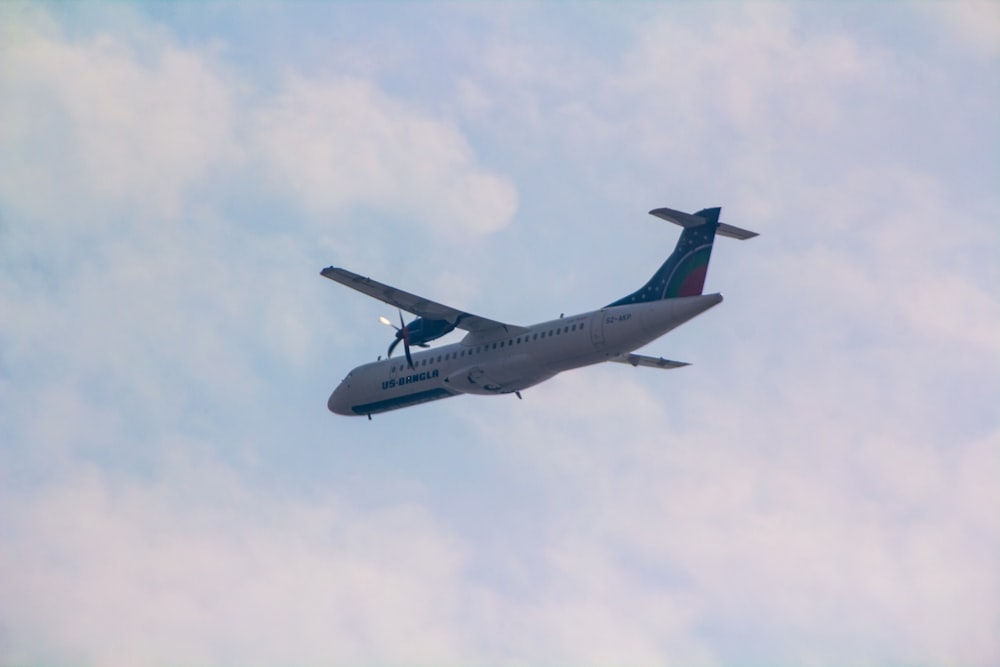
pixel 511 362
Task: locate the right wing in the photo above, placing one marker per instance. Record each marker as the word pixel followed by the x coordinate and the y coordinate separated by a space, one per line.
pixel 418 305
pixel 650 362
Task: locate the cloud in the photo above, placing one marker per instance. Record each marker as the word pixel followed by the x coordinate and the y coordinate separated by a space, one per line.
pixel 739 527
pixel 972 26
pixel 340 143
pixel 200 569
pixel 693 90
pixel 101 120
pixel 94 121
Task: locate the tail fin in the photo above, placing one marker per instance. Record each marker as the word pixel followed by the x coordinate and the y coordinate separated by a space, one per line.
pixel 683 274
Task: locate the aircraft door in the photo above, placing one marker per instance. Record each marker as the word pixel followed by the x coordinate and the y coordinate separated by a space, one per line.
pixel 597 328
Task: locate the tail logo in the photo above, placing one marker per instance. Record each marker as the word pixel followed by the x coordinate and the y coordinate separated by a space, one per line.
pixel 688 277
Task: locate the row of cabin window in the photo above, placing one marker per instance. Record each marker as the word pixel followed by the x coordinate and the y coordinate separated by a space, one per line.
pixel 494 346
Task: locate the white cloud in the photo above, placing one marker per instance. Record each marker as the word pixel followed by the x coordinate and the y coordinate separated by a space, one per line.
pixel 199 569
pixel 93 122
pixel 342 143
pixel 102 121
pixel 973 26
pixel 848 543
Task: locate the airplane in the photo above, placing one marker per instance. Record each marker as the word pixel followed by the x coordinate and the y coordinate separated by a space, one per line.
pixel 500 358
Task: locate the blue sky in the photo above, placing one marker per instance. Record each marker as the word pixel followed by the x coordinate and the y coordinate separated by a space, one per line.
pixel 819 487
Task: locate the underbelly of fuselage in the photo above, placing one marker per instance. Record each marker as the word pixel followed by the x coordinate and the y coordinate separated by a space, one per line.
pixel 418 386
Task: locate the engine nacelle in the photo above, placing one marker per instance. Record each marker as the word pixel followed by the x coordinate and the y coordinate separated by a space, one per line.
pixel 421 331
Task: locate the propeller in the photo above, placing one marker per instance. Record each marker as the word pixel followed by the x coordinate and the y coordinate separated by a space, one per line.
pixel 402 334
pixel 418 332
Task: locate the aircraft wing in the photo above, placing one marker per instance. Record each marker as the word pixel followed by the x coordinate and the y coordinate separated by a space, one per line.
pixel 418 305
pixel 649 362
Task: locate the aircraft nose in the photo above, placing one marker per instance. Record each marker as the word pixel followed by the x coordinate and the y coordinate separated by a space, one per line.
pixel 337 403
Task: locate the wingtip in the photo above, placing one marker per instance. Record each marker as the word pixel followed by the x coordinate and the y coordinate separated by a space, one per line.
pixel 328 271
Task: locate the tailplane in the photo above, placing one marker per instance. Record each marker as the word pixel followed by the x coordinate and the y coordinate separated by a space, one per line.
pixel 684 272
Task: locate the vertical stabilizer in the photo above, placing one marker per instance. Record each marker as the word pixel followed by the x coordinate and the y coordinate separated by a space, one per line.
pixel 684 272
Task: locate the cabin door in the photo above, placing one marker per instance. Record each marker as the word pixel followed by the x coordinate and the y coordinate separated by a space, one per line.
pixel 597 328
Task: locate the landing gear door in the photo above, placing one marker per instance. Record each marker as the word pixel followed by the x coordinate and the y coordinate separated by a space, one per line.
pixel 597 328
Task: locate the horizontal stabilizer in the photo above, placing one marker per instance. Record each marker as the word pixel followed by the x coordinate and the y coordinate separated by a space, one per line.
pixel 678 217
pixel 649 362
pixel 688 220
pixel 735 232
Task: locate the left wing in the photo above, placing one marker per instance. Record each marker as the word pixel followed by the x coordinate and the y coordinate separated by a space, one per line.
pixel 650 362
pixel 418 305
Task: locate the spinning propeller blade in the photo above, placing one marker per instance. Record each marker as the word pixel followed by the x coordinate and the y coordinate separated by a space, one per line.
pixel 402 334
pixel 405 333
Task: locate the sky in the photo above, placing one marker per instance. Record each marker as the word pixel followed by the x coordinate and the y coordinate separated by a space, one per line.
pixel 819 487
